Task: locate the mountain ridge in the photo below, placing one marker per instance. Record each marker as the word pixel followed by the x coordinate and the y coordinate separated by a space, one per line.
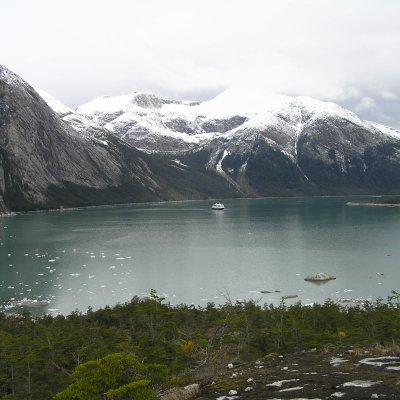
pixel 300 137
pixel 140 147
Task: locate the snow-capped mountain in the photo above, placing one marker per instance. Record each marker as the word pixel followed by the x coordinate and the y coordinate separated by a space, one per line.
pixel 260 143
pixel 145 120
pixel 140 147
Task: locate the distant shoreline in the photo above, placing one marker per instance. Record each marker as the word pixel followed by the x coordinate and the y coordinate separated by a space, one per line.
pixel 362 204
pixel 66 209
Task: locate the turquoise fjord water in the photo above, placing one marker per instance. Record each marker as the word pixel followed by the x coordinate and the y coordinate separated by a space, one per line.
pixel 191 254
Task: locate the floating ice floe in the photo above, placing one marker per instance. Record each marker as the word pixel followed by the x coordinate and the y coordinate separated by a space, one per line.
pixel 289 296
pixel 33 303
pixel 345 300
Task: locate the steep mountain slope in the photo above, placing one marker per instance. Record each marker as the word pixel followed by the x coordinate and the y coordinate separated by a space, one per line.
pixel 46 163
pixel 261 144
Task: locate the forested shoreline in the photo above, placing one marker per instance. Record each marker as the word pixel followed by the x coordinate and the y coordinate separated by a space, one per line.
pixel 138 349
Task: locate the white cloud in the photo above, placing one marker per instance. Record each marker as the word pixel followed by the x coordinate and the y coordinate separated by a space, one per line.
pixel 338 50
pixel 366 104
pixel 389 95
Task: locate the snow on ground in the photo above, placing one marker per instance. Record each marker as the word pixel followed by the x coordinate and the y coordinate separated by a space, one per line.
pixel 282 382
pixel 55 104
pixel 380 361
pixel 335 361
pixel 386 130
pixel 360 384
pixel 106 104
pixel 176 161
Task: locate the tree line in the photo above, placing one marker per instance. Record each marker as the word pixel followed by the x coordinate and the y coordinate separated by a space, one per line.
pixel 137 349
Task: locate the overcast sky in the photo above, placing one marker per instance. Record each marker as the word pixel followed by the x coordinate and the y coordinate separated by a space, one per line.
pixel 347 51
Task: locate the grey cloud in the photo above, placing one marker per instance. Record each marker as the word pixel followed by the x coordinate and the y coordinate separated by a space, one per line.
pixel 341 50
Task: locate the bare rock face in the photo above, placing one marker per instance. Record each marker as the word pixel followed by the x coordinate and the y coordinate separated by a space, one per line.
pixel 41 156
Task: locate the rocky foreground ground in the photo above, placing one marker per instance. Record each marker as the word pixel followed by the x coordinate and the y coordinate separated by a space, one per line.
pixel 317 374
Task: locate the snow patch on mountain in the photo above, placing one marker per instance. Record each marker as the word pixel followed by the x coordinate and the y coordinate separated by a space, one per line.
pixel 10 78
pixel 386 130
pixel 220 170
pixel 238 101
pixel 61 109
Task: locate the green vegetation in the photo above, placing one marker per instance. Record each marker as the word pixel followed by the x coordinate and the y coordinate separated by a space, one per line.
pixel 116 376
pixel 134 350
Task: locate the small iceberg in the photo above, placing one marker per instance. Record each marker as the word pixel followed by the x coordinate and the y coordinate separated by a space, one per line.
pixel 322 276
pixel 290 296
pixel 33 303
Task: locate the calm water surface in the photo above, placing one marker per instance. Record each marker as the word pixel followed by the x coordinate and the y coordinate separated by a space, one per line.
pixel 191 254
